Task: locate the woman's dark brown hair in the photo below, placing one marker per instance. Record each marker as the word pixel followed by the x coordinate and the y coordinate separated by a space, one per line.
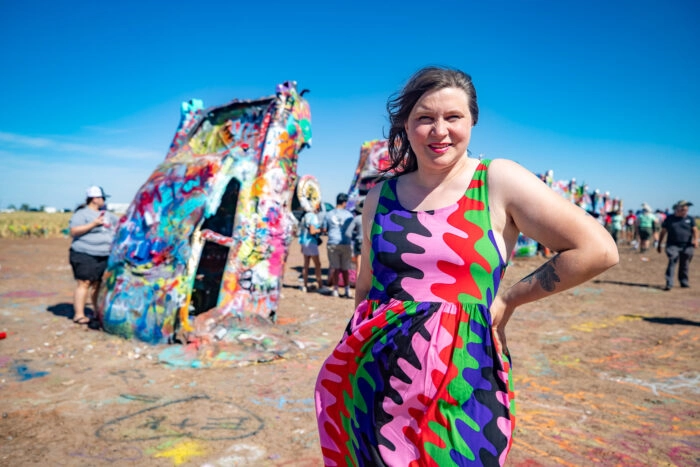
pixel 399 106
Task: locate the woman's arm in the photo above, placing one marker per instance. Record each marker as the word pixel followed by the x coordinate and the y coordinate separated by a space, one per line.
pixel 313 230
pixel 662 237
pixel 363 283
pixel 523 203
pixel 79 230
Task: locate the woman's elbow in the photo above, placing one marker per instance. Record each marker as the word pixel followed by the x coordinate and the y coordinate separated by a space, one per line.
pixel 607 254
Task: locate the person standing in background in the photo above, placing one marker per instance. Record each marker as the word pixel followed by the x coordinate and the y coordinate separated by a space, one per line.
pixel 355 233
pixel 660 218
pixel 335 224
pixel 630 226
pixel 92 228
pixel 646 227
pixel 309 239
pixel 681 243
pixel 616 225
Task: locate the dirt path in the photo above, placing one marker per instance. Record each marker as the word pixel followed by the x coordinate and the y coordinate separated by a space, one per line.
pixel 605 374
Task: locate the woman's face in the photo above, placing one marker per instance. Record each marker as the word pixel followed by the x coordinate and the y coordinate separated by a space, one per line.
pixel 439 127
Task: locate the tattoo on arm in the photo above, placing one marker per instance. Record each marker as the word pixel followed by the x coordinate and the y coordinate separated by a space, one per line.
pixel 545 275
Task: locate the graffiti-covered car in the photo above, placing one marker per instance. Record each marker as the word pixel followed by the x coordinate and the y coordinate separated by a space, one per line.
pixel 204 241
pixel 371 166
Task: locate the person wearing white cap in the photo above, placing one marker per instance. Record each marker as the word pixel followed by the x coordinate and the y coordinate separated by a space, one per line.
pixel 92 228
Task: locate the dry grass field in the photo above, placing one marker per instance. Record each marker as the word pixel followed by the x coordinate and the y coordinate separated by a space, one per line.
pixel 33 224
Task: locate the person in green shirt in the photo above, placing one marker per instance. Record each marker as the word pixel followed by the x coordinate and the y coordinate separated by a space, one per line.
pixel 616 222
pixel 646 228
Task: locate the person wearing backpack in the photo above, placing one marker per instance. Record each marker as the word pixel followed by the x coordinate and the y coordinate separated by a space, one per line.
pixel 310 239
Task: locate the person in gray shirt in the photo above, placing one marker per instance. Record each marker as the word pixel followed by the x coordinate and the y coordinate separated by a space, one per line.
pixel 92 228
pixel 354 231
pixel 335 224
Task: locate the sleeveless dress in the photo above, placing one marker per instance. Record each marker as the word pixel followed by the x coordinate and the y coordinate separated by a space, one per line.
pixel 416 379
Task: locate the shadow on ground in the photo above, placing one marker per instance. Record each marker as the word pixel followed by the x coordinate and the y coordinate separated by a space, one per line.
pixel 65 310
pixel 666 320
pixel 629 284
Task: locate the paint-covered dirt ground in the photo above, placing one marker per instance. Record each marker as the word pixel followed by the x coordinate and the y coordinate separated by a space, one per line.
pixel 605 374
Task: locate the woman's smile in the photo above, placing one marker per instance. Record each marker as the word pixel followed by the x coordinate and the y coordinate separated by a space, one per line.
pixel 439 148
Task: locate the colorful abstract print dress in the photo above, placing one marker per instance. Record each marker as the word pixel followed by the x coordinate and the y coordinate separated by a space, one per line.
pixel 416 379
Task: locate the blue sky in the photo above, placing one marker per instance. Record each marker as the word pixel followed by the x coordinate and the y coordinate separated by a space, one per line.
pixel 604 91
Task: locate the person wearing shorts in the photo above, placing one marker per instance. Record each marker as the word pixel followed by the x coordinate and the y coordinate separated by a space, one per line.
pixel 335 224
pixel 309 236
pixel 355 233
pixel 646 228
pixel 92 229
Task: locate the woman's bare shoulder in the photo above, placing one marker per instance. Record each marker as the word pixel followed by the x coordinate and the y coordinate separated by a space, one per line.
pixel 505 173
pixel 505 167
pixel 370 204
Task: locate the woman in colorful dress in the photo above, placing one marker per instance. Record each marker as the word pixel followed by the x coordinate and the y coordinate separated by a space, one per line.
pixel 422 374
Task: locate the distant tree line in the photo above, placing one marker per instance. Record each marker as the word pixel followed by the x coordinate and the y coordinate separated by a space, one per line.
pixel 26 208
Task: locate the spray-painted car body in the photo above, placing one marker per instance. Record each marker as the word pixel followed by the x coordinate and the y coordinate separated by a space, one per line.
pixel 371 165
pixel 207 235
